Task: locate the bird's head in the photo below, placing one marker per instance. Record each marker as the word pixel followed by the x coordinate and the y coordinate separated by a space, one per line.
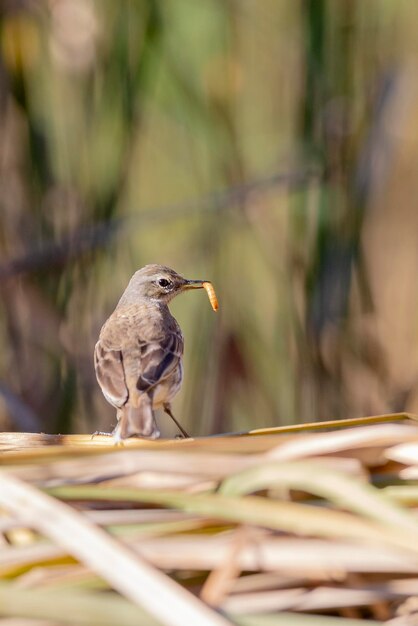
pixel 157 283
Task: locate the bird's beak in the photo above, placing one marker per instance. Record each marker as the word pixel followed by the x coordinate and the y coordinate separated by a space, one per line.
pixel 193 284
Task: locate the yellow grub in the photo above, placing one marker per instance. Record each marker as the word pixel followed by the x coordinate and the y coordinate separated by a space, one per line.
pixel 211 295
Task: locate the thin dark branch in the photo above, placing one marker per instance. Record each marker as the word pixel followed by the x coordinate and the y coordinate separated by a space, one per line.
pixel 58 253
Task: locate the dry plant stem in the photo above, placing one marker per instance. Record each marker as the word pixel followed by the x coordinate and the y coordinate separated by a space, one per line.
pixel 290 619
pixel 221 579
pixel 290 517
pixel 74 609
pixel 125 571
pixel 294 558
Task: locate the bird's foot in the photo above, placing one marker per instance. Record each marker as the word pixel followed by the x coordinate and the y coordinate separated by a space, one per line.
pixel 116 436
pixel 117 439
pixel 100 432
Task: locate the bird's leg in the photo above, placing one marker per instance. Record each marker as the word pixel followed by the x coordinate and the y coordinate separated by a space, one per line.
pixel 117 439
pixel 116 433
pixel 167 409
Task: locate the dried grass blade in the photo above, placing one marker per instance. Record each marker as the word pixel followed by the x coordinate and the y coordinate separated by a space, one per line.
pixel 36 553
pixel 130 462
pixel 63 577
pixel 332 442
pixel 290 619
pixel 344 423
pixel 406 453
pixel 75 608
pixel 300 599
pixel 337 487
pixel 285 516
pixel 405 494
pixel 119 517
pixel 288 555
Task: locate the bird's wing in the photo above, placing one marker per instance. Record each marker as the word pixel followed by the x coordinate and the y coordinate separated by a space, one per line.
pixel 159 359
pixel 110 374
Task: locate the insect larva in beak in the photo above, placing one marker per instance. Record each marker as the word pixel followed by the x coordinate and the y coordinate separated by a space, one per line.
pixel 211 295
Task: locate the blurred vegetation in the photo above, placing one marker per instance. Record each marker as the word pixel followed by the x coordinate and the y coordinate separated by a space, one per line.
pixel 267 146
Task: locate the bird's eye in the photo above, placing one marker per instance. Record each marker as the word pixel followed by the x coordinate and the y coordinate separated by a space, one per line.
pixel 163 282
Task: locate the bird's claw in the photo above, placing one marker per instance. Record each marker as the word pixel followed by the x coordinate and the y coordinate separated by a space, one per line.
pixel 100 432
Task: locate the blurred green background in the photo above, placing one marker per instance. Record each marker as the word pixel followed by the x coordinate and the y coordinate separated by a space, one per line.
pixel 270 146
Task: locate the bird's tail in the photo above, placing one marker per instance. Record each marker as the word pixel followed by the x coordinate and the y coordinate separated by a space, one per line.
pixel 136 420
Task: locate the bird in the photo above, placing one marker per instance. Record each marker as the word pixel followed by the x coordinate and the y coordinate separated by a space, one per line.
pixel 138 357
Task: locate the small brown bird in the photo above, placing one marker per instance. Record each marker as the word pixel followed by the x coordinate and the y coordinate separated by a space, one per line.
pixel 138 358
